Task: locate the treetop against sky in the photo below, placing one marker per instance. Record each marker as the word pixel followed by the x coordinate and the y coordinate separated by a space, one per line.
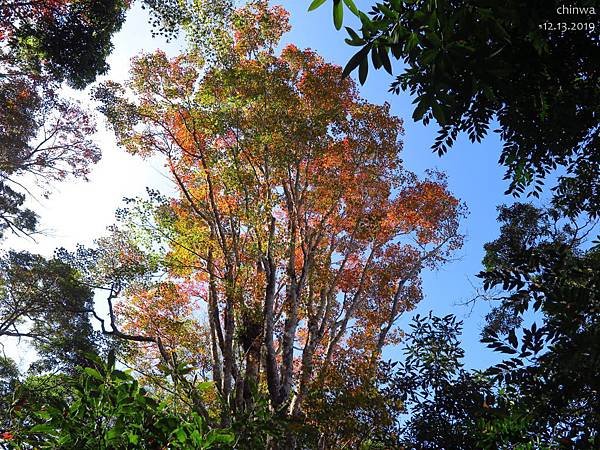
pixel 261 228
pixel 118 175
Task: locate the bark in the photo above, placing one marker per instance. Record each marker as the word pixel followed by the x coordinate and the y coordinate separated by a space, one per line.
pixel 216 332
pixel 270 357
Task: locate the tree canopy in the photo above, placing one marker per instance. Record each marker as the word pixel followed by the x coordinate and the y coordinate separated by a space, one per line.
pixel 42 135
pixel 542 263
pixel 46 302
pixel 69 40
pixel 471 63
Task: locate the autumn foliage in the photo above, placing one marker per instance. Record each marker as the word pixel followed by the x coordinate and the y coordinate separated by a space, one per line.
pixel 297 236
pixel 255 303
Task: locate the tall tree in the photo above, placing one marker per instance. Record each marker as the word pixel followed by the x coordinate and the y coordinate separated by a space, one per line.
pixel 296 223
pixel 443 403
pixel 544 394
pixel 530 65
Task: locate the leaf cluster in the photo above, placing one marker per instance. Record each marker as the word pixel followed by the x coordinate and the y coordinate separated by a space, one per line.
pixel 104 407
pixel 46 302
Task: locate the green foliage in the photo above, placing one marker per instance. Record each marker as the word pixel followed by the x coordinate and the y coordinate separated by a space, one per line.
pixel 204 22
pixel 542 402
pixel 357 406
pixel 45 301
pixel 70 40
pixel 540 263
pixel 13 216
pixel 105 408
pixel 256 425
pixel 442 401
pixel 544 394
pixel 470 62
pixel 9 377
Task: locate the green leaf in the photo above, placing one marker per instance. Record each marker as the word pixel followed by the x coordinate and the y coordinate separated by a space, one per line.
pixel 64 440
pixel 315 4
pixel 438 113
pixel 375 58
pixel 196 438
pixel 93 357
pixel 42 428
pixel 366 22
pixel 363 70
pixel 385 59
pixel 387 12
pixel 218 436
pixel 421 109
pixel 75 406
pixel 93 373
pixel 413 41
pixel 352 7
pixel 353 34
pixel 338 14
pixel 205 385
pixel 180 434
pixel 355 60
pixel 44 415
pixel 396 51
pixel 353 43
pixel 114 433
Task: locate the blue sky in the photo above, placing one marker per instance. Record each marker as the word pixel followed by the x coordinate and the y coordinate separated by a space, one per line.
pixel 80 212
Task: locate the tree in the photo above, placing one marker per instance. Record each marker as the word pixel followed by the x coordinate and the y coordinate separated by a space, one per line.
pixel 427 400
pixel 540 261
pixel 470 62
pixel 69 40
pixel 295 224
pixel 545 393
pixel 443 404
pixel 353 409
pixel 45 302
pixel 9 377
pixel 43 136
pixel 204 23
pixel 42 44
